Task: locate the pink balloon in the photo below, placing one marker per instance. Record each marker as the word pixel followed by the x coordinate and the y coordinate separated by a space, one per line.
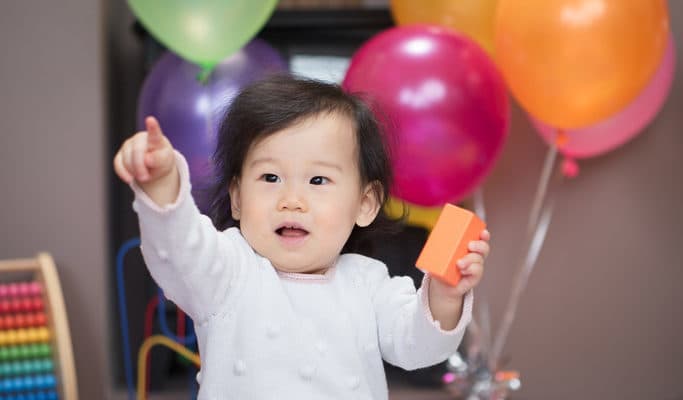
pixel 444 105
pixel 618 129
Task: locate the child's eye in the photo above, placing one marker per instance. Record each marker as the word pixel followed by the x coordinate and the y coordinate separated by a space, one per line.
pixel 270 178
pixel 319 180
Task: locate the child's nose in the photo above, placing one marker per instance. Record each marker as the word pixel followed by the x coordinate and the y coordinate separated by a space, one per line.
pixel 292 200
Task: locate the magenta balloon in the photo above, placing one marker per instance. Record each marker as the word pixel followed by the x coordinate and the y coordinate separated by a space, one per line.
pixel 190 111
pixel 446 106
pixel 618 129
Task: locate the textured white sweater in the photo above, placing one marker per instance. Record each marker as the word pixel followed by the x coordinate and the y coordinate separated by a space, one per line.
pixel 264 334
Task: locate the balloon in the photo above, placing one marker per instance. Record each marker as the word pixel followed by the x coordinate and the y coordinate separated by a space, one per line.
pixel 471 17
pixel 190 112
pixel 203 31
pixel 446 109
pixel 618 129
pixel 571 63
pixel 423 217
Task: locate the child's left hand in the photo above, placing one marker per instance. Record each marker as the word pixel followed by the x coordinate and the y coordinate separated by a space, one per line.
pixel 471 269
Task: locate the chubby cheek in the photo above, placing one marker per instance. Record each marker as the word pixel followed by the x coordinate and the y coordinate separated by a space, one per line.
pixel 254 223
pixel 258 238
pixel 339 221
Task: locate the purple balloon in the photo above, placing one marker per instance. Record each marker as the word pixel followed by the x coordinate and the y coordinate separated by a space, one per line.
pixel 190 112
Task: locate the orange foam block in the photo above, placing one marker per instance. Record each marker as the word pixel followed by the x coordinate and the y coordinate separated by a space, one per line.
pixel 447 243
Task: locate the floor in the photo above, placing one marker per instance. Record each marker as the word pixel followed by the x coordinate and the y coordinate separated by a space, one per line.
pixel 397 391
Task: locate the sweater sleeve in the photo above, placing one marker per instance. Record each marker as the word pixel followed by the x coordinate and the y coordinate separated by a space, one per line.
pixel 189 259
pixel 409 337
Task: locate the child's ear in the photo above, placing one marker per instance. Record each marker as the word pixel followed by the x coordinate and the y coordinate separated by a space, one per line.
pixel 235 199
pixel 369 204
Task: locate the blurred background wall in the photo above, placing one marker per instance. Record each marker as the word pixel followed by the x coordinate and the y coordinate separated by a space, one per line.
pixel 53 169
pixel 600 318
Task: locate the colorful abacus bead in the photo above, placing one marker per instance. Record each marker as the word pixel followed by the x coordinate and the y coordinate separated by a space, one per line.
pixel 26 365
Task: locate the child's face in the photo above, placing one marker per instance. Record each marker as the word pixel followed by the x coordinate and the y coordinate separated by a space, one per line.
pixel 300 194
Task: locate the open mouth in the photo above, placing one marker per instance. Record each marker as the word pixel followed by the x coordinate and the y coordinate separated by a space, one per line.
pixel 291 231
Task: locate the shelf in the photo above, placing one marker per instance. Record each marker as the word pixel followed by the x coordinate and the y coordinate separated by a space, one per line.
pixel 344 18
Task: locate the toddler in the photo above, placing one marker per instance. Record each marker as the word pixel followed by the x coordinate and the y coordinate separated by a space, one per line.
pixel 283 307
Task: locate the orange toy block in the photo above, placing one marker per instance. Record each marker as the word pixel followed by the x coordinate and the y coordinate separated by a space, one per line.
pixel 447 243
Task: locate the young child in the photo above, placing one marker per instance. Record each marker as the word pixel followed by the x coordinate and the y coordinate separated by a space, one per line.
pixel 281 309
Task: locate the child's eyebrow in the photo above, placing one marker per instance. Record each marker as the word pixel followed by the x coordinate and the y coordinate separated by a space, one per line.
pixel 264 160
pixel 328 164
pixel 319 163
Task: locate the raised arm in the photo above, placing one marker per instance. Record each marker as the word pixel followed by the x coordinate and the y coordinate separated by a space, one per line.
pixel 197 267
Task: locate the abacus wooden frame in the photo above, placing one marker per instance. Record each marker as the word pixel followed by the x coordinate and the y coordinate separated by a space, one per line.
pixel 43 270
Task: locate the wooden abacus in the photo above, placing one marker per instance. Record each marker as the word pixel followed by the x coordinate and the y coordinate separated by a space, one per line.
pixel 36 357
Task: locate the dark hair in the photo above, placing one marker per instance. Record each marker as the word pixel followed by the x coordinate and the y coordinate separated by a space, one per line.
pixel 277 102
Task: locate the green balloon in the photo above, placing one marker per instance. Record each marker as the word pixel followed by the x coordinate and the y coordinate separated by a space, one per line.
pixel 203 31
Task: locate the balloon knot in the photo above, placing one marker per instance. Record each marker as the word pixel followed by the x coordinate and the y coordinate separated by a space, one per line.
pixel 570 168
pixel 204 73
pixel 561 139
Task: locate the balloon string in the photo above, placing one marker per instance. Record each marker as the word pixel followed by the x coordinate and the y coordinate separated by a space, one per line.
pixel 480 332
pixel 539 221
pixel 519 285
pixel 479 207
pixel 541 190
pixel 485 326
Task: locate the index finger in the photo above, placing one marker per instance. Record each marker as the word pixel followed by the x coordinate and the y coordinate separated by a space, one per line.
pixel 154 133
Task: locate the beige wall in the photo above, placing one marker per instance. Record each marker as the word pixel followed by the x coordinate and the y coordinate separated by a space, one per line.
pixel 600 318
pixel 53 172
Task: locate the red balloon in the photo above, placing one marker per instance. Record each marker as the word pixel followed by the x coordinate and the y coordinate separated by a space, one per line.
pixel 443 103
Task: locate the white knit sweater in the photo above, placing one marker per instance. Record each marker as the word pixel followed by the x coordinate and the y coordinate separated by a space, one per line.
pixel 265 334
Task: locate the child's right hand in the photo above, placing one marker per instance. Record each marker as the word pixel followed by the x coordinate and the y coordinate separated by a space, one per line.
pixel 145 157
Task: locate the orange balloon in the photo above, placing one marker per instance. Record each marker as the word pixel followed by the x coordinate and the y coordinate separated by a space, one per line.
pixel 474 18
pixel 571 63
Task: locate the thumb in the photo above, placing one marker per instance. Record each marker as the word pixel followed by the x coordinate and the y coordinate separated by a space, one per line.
pixel 154 134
